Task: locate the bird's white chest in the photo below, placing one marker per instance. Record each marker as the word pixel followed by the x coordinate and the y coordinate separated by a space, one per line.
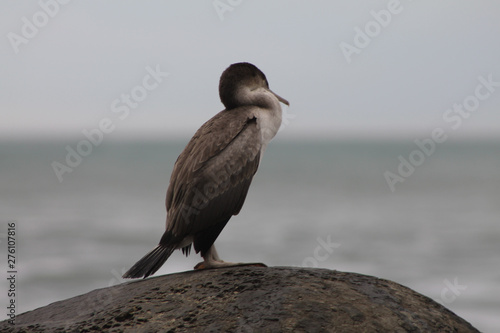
pixel 269 122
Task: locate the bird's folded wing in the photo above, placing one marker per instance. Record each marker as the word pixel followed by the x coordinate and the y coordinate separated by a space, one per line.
pixel 212 175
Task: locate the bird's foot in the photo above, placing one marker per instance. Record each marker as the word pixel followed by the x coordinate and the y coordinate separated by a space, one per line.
pixel 220 264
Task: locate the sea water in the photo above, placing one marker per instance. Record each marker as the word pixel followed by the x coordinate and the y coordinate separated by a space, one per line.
pixel 312 203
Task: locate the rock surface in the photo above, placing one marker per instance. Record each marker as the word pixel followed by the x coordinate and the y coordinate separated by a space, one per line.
pixel 246 299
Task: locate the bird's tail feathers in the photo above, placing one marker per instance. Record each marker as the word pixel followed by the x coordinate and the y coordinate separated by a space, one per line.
pixel 150 263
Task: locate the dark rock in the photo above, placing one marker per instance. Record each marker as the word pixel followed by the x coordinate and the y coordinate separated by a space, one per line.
pixel 246 299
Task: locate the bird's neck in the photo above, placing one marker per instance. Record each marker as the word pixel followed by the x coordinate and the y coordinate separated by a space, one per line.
pixel 267 111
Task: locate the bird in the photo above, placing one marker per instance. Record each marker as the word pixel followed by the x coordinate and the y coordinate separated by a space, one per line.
pixel 212 175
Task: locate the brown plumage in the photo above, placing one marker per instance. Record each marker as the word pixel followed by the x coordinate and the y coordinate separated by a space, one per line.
pixel 212 175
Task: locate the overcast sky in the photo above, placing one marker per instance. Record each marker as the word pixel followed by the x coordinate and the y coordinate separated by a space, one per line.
pixel 356 68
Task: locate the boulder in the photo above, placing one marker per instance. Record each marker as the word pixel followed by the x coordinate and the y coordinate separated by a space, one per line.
pixel 246 299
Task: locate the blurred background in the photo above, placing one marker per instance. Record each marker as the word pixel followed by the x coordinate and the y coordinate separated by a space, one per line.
pixel 389 151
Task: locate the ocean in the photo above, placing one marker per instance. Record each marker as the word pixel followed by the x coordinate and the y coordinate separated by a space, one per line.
pixel 424 216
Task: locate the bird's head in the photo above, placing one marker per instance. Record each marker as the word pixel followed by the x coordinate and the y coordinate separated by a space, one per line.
pixel 244 84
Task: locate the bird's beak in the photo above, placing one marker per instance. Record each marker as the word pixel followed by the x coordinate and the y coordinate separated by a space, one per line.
pixel 281 99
